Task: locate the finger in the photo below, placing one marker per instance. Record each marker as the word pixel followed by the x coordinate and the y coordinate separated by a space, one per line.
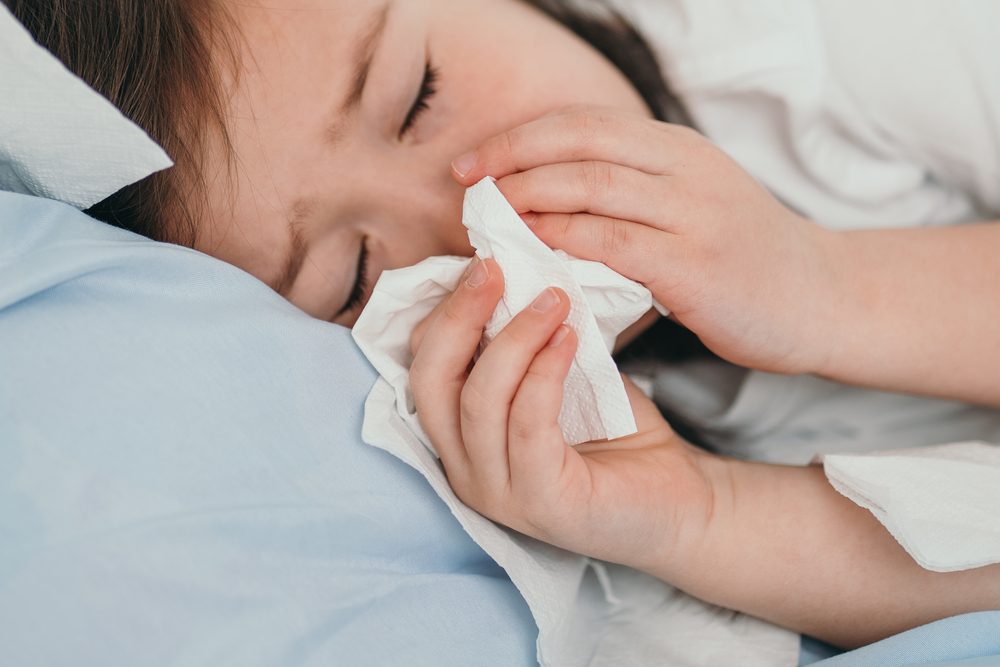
pixel 419 331
pixel 636 251
pixel 536 447
pixel 438 372
pixel 601 188
pixel 579 135
pixel 493 383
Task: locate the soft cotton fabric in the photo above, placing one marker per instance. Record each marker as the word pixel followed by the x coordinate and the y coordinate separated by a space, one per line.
pixel 58 138
pixel 969 640
pixel 858 114
pixel 183 482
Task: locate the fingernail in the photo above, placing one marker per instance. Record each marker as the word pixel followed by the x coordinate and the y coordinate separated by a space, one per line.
pixel 478 274
pixel 546 301
pixel 529 218
pixel 559 336
pixel 463 165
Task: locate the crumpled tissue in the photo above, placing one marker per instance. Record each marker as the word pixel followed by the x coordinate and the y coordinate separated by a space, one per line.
pixel 940 503
pixel 595 405
pixel 588 613
pixel 59 139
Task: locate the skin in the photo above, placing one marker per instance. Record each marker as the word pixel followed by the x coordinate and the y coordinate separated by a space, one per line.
pixel 658 203
pixel 762 286
pixel 363 179
pixel 774 541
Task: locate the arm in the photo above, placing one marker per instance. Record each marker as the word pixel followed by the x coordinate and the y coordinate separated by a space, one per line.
pixel 773 541
pixel 783 545
pixel 919 312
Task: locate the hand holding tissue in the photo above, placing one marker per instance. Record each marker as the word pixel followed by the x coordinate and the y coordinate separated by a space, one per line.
pixel 588 612
pixel 595 405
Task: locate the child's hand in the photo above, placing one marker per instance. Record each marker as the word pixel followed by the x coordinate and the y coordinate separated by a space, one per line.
pixel 494 423
pixel 661 205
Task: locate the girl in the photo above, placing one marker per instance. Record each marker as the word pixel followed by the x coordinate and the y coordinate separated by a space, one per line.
pixel 317 145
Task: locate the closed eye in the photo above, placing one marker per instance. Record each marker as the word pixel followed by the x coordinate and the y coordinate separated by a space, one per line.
pixel 428 88
pixel 360 288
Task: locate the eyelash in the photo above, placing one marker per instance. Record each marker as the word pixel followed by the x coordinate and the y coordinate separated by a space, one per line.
pixel 428 88
pixel 361 282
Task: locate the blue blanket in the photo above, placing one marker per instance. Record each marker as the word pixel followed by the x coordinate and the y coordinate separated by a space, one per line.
pixel 182 480
pixel 967 641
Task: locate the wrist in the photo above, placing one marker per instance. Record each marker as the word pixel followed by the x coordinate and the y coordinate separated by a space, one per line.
pixel 695 529
pixel 834 316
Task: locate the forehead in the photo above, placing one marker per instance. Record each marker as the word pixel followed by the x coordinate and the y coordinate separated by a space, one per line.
pixel 290 29
pixel 293 63
pixel 295 56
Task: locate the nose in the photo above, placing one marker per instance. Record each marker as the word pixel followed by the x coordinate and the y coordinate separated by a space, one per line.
pixel 419 204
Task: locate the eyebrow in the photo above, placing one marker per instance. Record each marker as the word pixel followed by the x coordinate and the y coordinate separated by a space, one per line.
pixel 364 54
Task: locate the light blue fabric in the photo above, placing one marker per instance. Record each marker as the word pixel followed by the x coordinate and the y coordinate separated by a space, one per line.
pixel 812 650
pixel 182 480
pixel 969 640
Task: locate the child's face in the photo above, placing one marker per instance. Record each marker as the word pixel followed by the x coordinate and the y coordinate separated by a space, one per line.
pixel 336 180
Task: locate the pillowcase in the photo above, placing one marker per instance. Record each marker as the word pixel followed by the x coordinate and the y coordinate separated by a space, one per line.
pixel 58 138
pixel 182 479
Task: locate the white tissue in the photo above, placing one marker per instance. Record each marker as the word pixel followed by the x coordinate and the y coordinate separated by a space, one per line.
pixel 58 138
pixel 589 614
pixel 940 503
pixel 595 405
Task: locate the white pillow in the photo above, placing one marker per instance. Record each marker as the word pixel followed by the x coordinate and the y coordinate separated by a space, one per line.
pixel 59 139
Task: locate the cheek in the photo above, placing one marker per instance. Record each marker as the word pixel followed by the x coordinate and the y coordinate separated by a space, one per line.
pixel 521 65
pixel 488 104
pixel 403 246
pixel 447 237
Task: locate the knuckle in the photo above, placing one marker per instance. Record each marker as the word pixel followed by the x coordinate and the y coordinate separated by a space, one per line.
pixel 507 145
pixel 554 229
pixel 538 376
pixel 473 403
pixel 514 187
pixel 521 426
pixel 588 122
pixel 614 237
pixel 597 178
pixel 500 151
pixel 562 223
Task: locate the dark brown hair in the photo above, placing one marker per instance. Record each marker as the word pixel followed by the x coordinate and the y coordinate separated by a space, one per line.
pixel 608 31
pixel 157 61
